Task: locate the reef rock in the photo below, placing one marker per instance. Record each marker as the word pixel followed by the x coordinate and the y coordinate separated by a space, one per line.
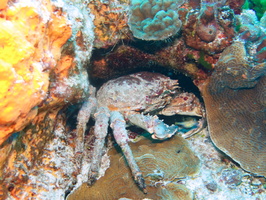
pixel 110 22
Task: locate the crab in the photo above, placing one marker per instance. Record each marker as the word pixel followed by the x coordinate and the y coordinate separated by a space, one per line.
pixel 130 100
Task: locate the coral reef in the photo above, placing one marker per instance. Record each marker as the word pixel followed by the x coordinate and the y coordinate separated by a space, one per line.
pixel 163 164
pixel 236 5
pixel 250 26
pixel 234 97
pixel 125 59
pixel 253 32
pixel 154 20
pixel 232 178
pixel 207 27
pixel 220 178
pixel 130 100
pixel 45 66
pixel 22 70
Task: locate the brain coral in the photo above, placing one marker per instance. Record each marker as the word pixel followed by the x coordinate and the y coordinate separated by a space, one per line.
pixel 154 19
pixel 162 162
pixel 235 100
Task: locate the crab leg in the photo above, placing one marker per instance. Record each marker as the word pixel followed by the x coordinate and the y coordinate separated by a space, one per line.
pixel 83 117
pixel 118 125
pixel 101 127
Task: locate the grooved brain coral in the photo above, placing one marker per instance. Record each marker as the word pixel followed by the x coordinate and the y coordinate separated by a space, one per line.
pixel 154 19
pixel 235 101
pixel 161 163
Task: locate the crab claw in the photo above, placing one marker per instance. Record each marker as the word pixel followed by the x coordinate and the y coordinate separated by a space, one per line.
pixel 163 131
pixel 153 125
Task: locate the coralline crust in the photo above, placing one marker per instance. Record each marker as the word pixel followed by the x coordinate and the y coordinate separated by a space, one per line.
pixel 235 100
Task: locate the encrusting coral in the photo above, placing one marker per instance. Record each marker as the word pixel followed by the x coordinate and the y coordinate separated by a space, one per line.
pixel 207 25
pixel 45 49
pixel 154 20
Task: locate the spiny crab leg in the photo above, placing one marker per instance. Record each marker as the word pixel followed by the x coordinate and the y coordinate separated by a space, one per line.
pixel 101 128
pixel 83 117
pixel 118 125
pixel 153 125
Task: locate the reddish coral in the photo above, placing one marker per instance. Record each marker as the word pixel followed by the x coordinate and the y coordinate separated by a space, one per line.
pixel 261 51
pixel 236 5
pixel 207 26
pixel 194 3
pixel 209 29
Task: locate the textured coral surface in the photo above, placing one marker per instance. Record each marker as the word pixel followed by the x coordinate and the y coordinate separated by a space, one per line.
pixel 162 163
pixel 41 165
pixel 154 20
pixel 235 102
pixel 110 22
